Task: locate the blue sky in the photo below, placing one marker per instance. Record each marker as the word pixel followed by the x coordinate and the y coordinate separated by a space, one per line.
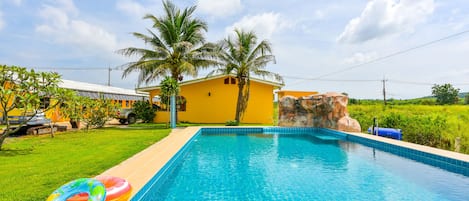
pixel 311 40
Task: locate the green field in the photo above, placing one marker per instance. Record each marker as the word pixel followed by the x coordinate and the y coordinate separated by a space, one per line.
pixel 33 166
pixel 431 125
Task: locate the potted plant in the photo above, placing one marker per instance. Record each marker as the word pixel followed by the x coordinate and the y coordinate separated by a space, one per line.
pixel 72 109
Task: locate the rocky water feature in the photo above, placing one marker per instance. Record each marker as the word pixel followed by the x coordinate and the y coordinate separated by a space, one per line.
pixel 327 110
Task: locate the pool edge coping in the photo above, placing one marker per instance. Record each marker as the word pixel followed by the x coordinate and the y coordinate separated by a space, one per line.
pixel 417 147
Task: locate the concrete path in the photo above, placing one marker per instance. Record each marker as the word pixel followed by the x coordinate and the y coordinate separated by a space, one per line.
pixel 140 168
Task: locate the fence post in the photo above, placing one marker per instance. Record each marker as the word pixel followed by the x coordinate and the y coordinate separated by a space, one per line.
pixel 457 144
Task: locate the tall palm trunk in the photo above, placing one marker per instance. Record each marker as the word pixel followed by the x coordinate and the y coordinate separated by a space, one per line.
pixel 175 76
pixel 239 104
pixel 173 111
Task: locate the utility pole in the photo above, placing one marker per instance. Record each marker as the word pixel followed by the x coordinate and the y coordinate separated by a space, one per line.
pixel 109 76
pixel 384 90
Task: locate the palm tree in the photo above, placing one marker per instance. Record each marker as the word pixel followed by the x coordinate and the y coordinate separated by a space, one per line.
pixel 177 48
pixel 243 56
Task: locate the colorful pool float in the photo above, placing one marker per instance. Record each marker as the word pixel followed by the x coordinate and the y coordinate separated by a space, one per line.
pixel 117 189
pixel 92 188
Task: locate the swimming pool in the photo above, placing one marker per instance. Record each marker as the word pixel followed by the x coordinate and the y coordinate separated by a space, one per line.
pixel 302 164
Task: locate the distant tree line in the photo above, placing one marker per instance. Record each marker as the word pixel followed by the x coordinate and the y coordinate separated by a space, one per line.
pixel 445 94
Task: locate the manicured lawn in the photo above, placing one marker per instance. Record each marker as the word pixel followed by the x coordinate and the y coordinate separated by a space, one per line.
pixel 32 167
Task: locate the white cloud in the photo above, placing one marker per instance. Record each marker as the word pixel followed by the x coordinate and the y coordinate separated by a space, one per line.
pixel 386 17
pixel 56 17
pixel 360 57
pixel 264 25
pixel 63 29
pixel 2 23
pixel 67 5
pixel 131 8
pixel 319 14
pixel 219 8
pixel 17 2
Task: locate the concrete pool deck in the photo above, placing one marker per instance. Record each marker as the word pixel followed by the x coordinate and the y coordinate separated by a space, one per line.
pixel 141 167
pixel 422 148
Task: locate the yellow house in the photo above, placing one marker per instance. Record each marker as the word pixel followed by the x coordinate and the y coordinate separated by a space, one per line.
pixel 124 98
pixel 213 100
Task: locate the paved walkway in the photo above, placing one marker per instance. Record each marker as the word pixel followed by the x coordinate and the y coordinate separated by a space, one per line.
pixel 140 168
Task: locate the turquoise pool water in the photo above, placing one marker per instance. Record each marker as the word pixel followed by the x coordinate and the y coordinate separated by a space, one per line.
pixel 289 166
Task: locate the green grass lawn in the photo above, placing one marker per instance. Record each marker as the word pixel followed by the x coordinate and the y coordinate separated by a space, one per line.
pixel 33 166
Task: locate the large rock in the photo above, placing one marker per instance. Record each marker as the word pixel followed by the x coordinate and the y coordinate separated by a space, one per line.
pixel 348 124
pixel 327 110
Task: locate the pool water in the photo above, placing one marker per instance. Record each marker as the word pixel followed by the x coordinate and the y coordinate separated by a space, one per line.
pixel 301 167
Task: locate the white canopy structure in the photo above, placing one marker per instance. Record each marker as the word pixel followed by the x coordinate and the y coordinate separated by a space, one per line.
pixel 96 91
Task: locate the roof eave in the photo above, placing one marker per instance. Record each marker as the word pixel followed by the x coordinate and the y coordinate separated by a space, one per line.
pixel 150 88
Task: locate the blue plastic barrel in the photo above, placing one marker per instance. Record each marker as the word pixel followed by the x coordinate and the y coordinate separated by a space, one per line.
pixel 387 132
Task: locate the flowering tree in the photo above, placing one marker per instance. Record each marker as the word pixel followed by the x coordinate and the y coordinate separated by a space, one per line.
pixel 93 112
pixel 21 90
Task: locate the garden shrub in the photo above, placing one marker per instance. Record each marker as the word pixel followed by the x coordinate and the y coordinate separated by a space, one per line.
pixel 393 120
pixel 97 112
pixel 231 123
pixel 144 111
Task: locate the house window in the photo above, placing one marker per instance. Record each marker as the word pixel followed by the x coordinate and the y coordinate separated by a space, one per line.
pixel 229 80
pixel 181 103
pixel 45 102
pixel 126 103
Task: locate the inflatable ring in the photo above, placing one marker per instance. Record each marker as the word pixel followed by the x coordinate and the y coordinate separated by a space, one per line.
pixel 117 189
pixel 92 187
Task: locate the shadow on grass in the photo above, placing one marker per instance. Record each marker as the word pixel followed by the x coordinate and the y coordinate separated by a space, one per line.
pixel 142 126
pixel 14 152
pixel 183 125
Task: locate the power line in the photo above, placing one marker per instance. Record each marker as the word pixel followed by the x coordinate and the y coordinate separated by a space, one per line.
pixel 327 80
pixel 384 89
pixel 371 80
pixel 423 83
pixel 411 82
pixel 393 54
pixel 74 68
pixel 359 80
pixel 108 69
